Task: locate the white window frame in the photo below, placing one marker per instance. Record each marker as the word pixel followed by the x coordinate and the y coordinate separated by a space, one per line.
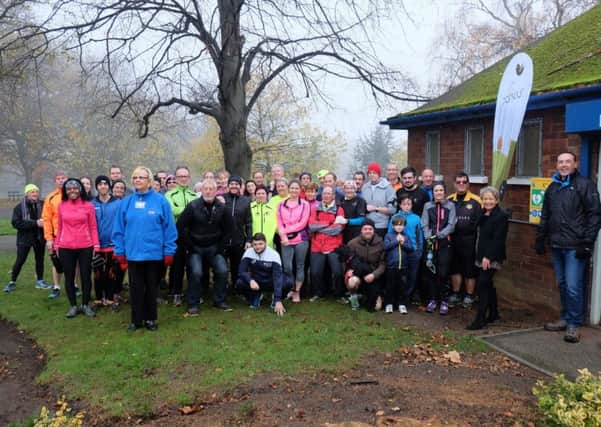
pixel 467 151
pixel 428 151
pixel 518 178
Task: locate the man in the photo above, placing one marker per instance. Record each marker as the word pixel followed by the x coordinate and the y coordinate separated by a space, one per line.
pixel 259 178
pixel 238 224
pixel 571 218
pixel 418 195
pixel 392 175
pixel 463 241
pixel 116 174
pixel 162 176
pixel 261 270
pixel 359 178
pixel 365 266
pixel 178 199
pixel 201 228
pixel 427 178
pixel 27 219
pixel 329 180
pixel 106 207
pixel 379 197
pixel 277 172
pixel 50 222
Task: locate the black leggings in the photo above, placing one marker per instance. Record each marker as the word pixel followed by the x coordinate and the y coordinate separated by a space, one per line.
pixel 439 282
pixel 105 279
pixel 69 259
pixel 144 278
pixel 22 253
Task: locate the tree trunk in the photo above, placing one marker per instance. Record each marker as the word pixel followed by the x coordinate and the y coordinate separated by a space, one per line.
pixel 236 150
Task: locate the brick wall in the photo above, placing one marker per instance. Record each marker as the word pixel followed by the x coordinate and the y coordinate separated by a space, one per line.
pixel 526 278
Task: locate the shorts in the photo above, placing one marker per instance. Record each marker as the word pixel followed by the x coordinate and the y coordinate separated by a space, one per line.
pixel 464 256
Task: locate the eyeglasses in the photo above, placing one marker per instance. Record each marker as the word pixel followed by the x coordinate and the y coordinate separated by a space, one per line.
pixel 139 177
pixel 461 181
pixel 182 176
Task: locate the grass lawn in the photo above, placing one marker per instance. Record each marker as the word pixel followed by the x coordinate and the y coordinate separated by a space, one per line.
pixel 6 228
pixel 96 360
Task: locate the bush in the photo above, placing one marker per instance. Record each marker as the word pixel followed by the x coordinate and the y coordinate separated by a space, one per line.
pixel 573 404
pixel 61 418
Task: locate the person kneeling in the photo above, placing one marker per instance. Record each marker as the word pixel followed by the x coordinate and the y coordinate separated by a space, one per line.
pixel 261 270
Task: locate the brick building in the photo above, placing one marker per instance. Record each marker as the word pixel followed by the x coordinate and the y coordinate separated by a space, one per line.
pixel 454 133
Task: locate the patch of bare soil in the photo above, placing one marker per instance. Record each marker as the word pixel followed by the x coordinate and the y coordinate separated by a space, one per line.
pixel 21 360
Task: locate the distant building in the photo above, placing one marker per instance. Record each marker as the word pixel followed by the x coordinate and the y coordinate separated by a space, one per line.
pixel 454 133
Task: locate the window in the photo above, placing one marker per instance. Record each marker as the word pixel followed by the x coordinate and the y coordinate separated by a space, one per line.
pixel 529 148
pixel 433 151
pixel 474 151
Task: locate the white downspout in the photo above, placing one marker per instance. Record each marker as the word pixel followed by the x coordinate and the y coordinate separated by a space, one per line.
pixel 595 314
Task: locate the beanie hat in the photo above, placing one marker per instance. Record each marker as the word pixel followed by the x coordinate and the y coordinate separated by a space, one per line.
pixel 235 178
pixel 374 167
pixel 30 187
pixel 322 173
pixel 100 179
pixel 369 222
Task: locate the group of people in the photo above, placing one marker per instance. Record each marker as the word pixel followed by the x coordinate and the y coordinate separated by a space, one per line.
pixel 374 241
pixel 378 241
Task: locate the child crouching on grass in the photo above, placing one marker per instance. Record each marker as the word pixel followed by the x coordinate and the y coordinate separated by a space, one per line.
pixel 397 247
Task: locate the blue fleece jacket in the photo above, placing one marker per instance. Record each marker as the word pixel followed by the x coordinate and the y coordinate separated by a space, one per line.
pixel 413 229
pixel 106 212
pixel 144 229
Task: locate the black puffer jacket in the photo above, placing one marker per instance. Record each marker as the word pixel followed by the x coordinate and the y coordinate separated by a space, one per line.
pixel 201 225
pixel 28 231
pixel 571 214
pixel 238 222
pixel 491 235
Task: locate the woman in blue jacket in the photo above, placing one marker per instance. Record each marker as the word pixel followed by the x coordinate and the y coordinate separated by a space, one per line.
pixel 144 236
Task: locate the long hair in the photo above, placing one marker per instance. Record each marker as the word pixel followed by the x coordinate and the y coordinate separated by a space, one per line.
pixel 83 194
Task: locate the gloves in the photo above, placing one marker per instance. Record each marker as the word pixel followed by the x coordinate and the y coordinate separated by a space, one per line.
pixel 340 220
pixel 539 246
pixel 584 251
pixel 168 260
pixel 121 260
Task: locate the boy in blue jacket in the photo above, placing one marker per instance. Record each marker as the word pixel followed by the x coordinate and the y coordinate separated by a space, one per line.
pixel 397 247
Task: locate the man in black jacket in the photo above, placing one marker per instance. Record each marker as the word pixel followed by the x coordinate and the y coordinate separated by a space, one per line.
pixel 27 219
pixel 571 219
pixel 238 224
pixel 201 228
pixel 418 196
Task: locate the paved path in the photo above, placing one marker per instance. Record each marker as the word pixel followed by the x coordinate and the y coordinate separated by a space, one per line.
pixel 8 243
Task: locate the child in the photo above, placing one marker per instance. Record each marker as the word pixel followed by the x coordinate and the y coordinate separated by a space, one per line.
pixel 397 247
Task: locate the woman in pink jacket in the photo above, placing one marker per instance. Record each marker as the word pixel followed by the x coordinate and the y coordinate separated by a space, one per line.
pixel 293 217
pixel 76 241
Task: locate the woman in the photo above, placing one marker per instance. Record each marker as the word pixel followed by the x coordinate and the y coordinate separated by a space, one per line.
pixel 263 216
pixel 438 222
pixel 491 234
pixel 281 188
pixel 170 182
pixel 293 216
pixel 249 189
pixel 355 210
pixel 76 241
pixel 119 189
pixel 87 185
pixel 144 236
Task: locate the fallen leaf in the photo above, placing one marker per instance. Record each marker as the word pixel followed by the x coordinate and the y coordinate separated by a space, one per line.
pixel 453 356
pixel 336 400
pixel 379 413
pixel 189 410
pixel 218 370
pixel 395 409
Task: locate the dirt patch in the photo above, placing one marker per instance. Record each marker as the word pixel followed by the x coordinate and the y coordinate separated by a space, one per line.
pixel 21 360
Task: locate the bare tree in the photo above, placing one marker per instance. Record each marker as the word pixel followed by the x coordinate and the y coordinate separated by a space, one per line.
pixel 202 55
pixel 484 31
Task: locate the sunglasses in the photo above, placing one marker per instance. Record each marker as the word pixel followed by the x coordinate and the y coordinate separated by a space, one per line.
pixel 461 181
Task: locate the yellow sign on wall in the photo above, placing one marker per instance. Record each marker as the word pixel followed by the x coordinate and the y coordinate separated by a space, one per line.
pixel 537 196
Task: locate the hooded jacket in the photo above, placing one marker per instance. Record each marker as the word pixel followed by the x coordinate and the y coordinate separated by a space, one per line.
pixel 264 220
pixel 179 198
pixel 292 220
pixel 326 235
pixel 413 229
pixel 144 229
pixel 571 213
pixel 381 195
pixel 238 229
pixel 106 212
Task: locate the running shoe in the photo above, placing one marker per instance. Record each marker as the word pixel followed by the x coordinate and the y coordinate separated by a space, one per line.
pixel 388 309
pixel 55 293
pixel 444 308
pixel 431 306
pixel 403 309
pixel 10 287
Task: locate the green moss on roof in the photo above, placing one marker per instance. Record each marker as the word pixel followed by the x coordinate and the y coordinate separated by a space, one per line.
pixel 568 57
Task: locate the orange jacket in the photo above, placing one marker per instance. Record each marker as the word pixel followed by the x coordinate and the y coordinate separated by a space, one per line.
pixel 50 214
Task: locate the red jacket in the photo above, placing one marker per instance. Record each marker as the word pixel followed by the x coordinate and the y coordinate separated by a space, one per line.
pixel 77 227
pixel 326 235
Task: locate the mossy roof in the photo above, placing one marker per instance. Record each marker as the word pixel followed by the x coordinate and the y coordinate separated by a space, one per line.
pixel 566 58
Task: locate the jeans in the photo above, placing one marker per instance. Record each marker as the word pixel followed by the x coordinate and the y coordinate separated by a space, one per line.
pixel 569 271
pixel 297 253
pixel 206 255
pixel 318 263
pixel 176 271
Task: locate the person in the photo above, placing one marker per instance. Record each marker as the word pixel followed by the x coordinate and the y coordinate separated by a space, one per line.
pixel 263 215
pixel 170 183
pixel 87 185
pixel 118 188
pixel 438 223
pixel 277 173
pixel 261 270
pixel 76 241
pixel 202 229
pixel 397 247
pixel 116 174
pixel 310 191
pixel 281 187
pixel 491 229
pixel 156 184
pixel 259 178
pixel 329 180
pixel 463 240
pixel 27 220
pixel 321 174
pixel 305 179
pixel 570 220
pixel 413 232
pixel 354 208
pixel 162 177
pixel 293 216
pixel 238 228
pixel 326 225
pixel 221 180
pixel 419 196
pixel 249 189
pixel 106 207
pixel 379 198
pixel 365 265
pixel 427 178
pixel 392 175
pixel 144 236
pixel 178 199
pixel 50 223
pixel 359 178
